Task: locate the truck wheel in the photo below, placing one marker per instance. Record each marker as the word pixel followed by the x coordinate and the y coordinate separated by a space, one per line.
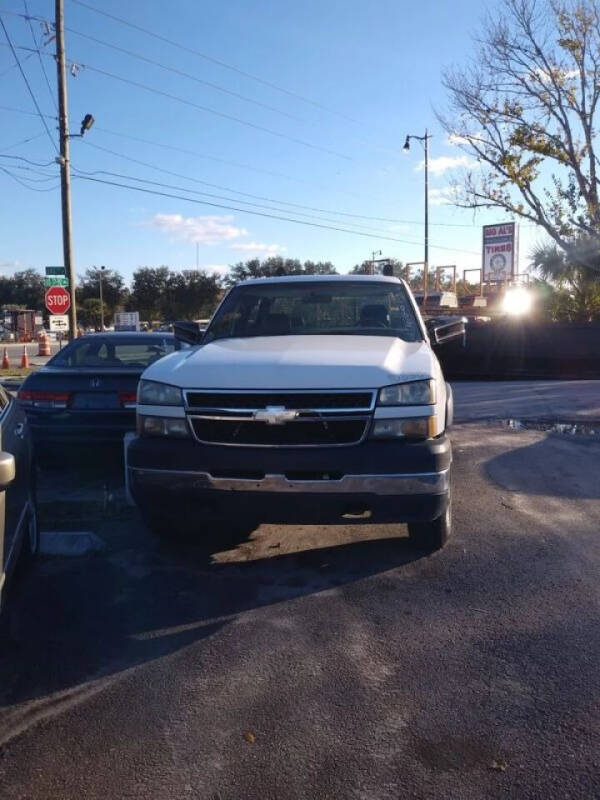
pixel 432 535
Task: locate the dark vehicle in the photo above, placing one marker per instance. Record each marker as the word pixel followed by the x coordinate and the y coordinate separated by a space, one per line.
pixel 18 519
pixel 87 392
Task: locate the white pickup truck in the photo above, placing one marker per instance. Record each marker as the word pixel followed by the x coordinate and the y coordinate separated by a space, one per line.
pixel 307 399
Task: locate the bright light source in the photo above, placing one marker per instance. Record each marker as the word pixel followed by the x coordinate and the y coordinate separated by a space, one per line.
pixel 517 302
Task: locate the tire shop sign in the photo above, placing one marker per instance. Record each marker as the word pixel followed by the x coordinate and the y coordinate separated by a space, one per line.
pixel 500 251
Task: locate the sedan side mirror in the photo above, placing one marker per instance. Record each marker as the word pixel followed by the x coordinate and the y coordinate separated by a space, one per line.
pixel 188 332
pixel 445 329
pixel 7 470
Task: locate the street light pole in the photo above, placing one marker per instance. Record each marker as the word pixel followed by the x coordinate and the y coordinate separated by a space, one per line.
pixel 101 273
pixel 425 141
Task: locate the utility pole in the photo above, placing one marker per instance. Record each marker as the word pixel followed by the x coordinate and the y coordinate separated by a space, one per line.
pixel 100 274
pixel 373 260
pixel 426 265
pixel 65 165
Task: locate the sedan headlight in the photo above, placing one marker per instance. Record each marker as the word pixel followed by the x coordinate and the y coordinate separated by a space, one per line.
pixel 152 393
pixel 415 393
pixel 408 428
pixel 162 426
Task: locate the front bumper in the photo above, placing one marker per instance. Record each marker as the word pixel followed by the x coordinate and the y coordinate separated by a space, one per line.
pixel 389 481
pixel 80 427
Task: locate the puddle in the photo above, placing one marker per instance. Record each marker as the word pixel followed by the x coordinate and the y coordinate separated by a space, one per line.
pixel 566 428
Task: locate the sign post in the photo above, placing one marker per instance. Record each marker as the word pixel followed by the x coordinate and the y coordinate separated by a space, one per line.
pixel 58 300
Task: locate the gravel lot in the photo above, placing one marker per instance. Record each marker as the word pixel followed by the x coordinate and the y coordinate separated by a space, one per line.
pixel 312 662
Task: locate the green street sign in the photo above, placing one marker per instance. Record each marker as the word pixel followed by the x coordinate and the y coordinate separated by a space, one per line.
pixel 55 271
pixel 59 280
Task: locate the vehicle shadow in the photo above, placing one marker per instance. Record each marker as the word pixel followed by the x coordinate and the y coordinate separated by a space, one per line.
pixel 82 620
pixel 556 466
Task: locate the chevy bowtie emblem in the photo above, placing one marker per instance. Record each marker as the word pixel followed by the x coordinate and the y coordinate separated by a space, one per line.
pixel 275 415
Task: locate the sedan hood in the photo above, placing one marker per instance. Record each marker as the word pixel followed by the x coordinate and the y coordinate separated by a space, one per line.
pixel 296 362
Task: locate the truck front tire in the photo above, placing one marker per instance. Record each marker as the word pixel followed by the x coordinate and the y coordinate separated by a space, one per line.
pixel 433 535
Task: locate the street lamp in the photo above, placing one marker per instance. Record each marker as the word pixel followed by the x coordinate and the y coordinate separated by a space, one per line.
pixel 101 273
pixel 425 141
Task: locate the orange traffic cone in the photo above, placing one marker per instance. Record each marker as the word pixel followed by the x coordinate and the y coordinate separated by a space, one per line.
pixel 5 361
pixel 25 358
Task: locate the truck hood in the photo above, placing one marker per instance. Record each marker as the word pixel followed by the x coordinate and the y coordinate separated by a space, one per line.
pixel 296 362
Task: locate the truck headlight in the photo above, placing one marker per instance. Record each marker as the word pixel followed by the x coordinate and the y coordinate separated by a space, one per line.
pixel 152 393
pixel 408 428
pixel 415 393
pixel 162 426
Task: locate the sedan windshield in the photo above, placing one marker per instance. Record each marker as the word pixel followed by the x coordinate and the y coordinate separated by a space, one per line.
pixel 114 353
pixel 356 308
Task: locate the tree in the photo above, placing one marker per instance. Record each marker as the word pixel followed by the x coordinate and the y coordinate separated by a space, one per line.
pixel 113 286
pixel 525 109
pixel 158 292
pixel 414 279
pixel 578 295
pixel 191 294
pixel 88 313
pixel 148 289
pixel 276 265
pixel 25 289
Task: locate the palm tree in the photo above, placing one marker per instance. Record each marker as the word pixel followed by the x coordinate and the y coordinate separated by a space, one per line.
pixel 575 273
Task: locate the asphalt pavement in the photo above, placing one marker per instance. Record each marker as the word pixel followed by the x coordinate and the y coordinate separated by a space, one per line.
pixel 313 662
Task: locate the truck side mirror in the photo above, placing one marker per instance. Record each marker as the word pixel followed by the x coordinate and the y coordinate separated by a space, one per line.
pixel 445 329
pixel 188 332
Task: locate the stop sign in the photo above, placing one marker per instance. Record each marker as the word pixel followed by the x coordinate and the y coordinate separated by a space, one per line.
pixel 58 300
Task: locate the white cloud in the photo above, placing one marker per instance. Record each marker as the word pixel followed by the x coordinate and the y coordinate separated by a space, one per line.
pixel 259 248
pixel 207 230
pixel 10 264
pixel 556 73
pixel 216 269
pixel 440 165
pixel 442 197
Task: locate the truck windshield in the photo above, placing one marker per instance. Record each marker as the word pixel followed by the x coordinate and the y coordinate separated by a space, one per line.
pixel 358 308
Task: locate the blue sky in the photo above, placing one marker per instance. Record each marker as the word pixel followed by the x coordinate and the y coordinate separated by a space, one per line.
pixel 369 74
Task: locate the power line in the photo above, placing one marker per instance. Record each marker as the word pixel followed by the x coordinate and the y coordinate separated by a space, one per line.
pixel 216 186
pixel 41 60
pixel 263 197
pixel 228 189
pixel 241 165
pixel 23 141
pixel 206 109
pixel 218 160
pixel 221 114
pixel 12 66
pixel 24 111
pixel 25 185
pixel 29 89
pixel 183 74
pixel 28 161
pixel 261 214
pixel 213 60
pixel 214 196
pixel 46 177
